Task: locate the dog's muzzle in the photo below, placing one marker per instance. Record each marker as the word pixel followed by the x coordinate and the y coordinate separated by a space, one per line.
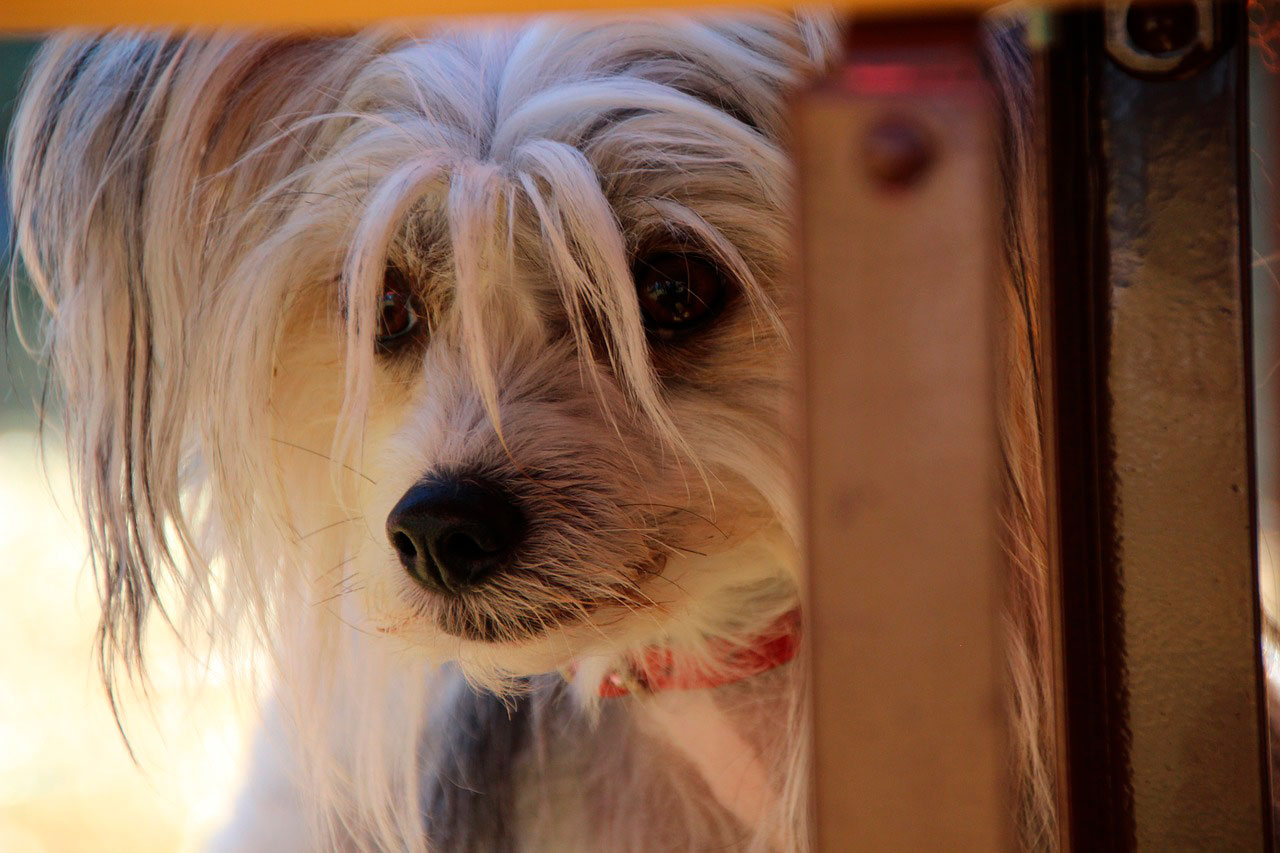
pixel 453 532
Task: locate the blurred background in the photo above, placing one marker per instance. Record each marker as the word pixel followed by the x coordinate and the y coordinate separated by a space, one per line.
pixel 67 782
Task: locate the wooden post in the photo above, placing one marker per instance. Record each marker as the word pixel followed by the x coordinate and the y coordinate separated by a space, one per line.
pixel 898 247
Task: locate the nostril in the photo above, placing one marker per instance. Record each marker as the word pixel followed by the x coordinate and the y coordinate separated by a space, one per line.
pixel 415 556
pixel 404 545
pixel 459 547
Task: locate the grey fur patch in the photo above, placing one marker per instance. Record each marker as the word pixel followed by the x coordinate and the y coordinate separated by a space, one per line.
pixel 469 792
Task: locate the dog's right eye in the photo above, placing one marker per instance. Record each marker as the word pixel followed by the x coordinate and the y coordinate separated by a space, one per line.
pixel 678 292
pixel 399 313
pixel 397 318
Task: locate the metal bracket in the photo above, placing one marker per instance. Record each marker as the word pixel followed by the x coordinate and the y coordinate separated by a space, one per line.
pixel 1150 415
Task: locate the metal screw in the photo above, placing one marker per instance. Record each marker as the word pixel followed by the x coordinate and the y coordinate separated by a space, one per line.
pixel 897 153
pixel 1172 38
pixel 1163 28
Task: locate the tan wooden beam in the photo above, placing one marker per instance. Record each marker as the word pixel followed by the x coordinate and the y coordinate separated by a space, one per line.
pixel 906 575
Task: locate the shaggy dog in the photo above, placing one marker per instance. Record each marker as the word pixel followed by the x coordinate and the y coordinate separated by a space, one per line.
pixel 452 367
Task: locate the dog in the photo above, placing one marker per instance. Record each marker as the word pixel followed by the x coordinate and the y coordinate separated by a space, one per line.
pixel 451 366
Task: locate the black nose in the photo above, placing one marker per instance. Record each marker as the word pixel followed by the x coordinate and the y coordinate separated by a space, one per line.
pixel 453 533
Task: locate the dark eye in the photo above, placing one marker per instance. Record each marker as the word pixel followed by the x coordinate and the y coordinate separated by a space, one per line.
pixel 678 292
pixel 399 312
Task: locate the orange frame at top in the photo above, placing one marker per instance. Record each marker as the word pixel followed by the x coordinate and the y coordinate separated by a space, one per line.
pixel 28 16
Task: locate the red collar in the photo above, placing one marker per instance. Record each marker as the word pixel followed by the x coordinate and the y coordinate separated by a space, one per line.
pixel 658 669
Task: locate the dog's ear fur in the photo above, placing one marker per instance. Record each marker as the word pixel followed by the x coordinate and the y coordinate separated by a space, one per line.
pixel 131 160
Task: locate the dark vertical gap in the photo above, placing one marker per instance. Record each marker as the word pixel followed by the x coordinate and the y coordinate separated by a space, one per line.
pixel 1099 796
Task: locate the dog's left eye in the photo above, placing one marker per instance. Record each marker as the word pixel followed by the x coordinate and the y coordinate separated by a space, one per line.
pixel 678 292
pixel 397 316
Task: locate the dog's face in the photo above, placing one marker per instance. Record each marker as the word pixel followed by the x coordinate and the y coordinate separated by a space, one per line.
pixel 508 307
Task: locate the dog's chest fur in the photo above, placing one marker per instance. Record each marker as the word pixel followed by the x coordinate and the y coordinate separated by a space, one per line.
pixel 541 773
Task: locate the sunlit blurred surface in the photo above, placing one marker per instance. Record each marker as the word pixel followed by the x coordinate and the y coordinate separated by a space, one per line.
pixel 66 780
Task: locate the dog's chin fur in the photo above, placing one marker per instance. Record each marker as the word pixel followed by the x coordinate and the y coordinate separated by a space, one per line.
pixel 211 221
